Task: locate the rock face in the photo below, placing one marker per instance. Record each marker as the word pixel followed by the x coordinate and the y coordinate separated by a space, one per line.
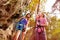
pixel 2 35
pixel 9 11
pixel 8 8
pixel 6 34
pixel 3 1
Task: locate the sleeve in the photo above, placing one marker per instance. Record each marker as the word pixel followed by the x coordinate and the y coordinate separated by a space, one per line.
pixel 45 21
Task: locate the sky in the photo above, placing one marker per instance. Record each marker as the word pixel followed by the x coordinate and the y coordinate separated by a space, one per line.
pixel 48 7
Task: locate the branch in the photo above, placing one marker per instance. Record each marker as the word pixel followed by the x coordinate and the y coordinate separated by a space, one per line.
pixel 7 2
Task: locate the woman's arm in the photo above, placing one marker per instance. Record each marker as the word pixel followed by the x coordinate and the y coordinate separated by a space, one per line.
pixel 44 24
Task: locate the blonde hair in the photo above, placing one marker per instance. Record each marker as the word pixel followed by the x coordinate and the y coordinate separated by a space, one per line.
pixel 42 14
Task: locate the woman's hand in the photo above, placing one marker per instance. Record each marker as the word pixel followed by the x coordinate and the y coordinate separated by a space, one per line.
pixel 43 24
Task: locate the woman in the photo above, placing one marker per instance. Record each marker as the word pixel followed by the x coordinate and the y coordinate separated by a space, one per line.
pixel 41 23
pixel 21 26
